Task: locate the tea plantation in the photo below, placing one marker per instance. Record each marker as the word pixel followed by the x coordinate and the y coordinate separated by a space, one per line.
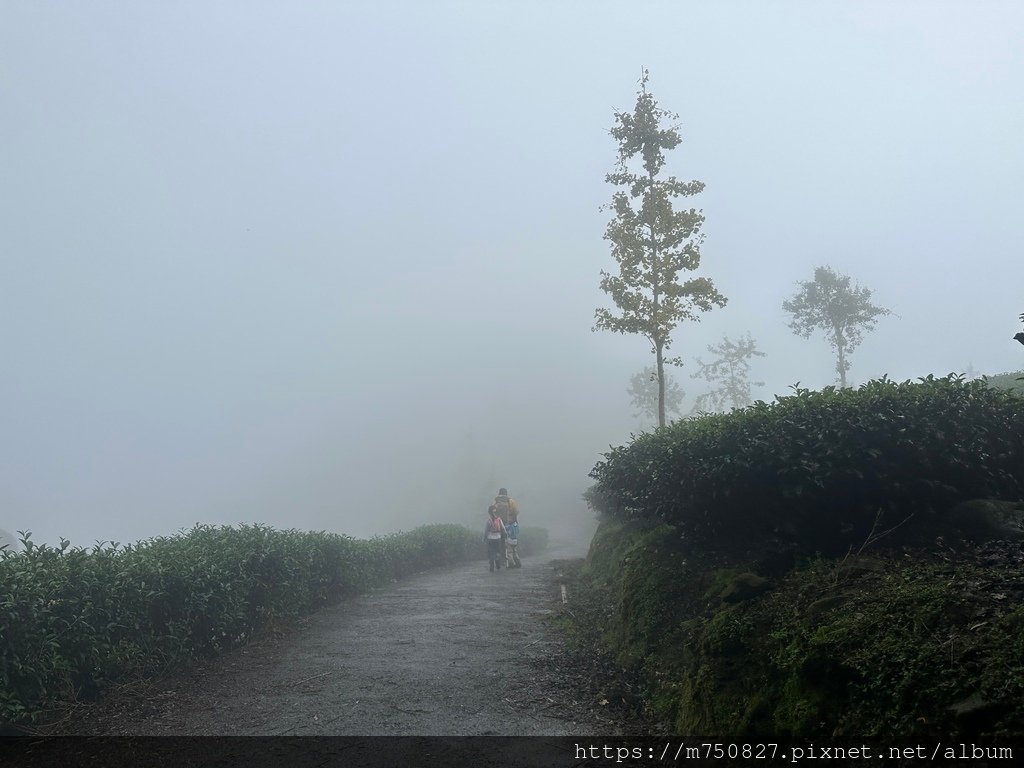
pixel 820 567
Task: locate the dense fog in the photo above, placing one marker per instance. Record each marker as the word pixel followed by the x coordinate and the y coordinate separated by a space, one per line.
pixel 335 265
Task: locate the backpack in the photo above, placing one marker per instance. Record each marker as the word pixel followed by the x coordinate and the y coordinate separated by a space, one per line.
pixel 496 525
pixel 501 507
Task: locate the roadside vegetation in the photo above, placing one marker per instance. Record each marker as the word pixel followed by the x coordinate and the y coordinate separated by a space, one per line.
pixel 822 470
pixel 837 563
pixel 74 621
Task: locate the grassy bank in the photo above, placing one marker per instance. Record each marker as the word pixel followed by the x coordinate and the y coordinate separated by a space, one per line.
pixel 923 643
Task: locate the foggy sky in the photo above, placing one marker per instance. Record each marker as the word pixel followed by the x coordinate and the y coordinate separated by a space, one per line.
pixel 334 265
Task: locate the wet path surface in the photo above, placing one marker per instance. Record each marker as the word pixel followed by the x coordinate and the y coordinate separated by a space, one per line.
pixel 457 652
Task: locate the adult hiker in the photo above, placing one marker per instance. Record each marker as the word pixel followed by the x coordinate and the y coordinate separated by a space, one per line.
pixel 507 509
pixel 494 535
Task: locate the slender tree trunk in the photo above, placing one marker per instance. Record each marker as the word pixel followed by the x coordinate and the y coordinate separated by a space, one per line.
pixel 659 343
pixel 841 358
pixel 732 384
pixel 661 383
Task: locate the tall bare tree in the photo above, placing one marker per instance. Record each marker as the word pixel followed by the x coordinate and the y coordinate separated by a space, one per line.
pixel 651 240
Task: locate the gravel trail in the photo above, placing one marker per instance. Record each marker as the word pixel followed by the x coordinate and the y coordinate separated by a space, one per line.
pixel 458 652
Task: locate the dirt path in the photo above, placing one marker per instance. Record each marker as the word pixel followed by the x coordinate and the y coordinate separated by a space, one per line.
pixel 458 652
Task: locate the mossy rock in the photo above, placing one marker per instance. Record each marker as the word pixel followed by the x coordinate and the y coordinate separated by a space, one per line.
pixel 654 589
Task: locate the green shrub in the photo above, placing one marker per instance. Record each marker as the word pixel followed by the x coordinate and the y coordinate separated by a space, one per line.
pixel 814 463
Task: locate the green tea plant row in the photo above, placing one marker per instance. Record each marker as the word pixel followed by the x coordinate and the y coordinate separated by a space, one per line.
pixel 812 463
pixel 74 620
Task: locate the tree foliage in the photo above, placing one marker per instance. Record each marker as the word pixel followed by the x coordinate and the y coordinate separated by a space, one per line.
pixel 643 389
pixel 652 241
pixel 832 303
pixel 728 374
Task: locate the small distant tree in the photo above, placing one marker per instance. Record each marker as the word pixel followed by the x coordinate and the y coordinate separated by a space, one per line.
pixel 643 389
pixel 728 374
pixel 832 303
pixel 651 241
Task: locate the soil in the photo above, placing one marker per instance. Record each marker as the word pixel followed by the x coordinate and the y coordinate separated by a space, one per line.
pixel 461 652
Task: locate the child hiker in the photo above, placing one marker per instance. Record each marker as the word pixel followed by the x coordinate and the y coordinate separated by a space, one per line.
pixel 494 535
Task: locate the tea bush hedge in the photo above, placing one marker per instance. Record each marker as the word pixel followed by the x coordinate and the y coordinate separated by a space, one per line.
pixel 73 620
pixel 814 463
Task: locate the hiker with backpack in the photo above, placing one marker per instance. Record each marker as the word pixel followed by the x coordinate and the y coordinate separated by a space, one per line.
pixel 494 535
pixel 507 509
pixel 505 506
